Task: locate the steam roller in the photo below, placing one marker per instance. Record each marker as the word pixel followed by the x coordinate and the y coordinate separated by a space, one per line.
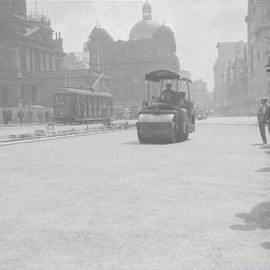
pixel 170 118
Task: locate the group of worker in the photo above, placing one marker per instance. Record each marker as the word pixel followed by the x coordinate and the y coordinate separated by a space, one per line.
pixel 263 117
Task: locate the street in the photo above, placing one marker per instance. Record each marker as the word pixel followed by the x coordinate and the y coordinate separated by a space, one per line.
pixel 107 202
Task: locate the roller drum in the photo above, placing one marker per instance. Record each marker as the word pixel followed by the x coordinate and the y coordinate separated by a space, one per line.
pixel 157 128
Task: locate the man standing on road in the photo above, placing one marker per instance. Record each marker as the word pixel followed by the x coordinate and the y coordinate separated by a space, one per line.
pixel 9 116
pixel 4 114
pixel 20 115
pixel 263 118
pixel 268 117
pixel 47 116
pixel 40 117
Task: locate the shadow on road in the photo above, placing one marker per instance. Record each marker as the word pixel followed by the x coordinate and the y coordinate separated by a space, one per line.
pixel 155 143
pixel 264 170
pixel 257 144
pixel 133 143
pixel 266 245
pixel 258 218
pixel 265 147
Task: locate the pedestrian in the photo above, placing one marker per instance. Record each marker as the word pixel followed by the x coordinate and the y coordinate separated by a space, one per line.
pixel 30 116
pixel 47 116
pixel 20 116
pixel 40 117
pixel 263 119
pixel 145 104
pixel 268 118
pixel 4 115
pixel 9 116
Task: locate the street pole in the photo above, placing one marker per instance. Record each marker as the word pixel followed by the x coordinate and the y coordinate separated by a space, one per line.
pixel 36 8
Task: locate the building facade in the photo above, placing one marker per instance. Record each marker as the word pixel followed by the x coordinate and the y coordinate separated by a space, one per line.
pixel 27 49
pixel 31 60
pixel 230 75
pixel 258 21
pixel 199 94
pixel 150 46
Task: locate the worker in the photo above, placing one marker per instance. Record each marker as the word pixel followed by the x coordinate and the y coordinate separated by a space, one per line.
pixel 167 95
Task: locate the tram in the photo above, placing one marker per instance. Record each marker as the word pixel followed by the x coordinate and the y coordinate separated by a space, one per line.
pixel 72 105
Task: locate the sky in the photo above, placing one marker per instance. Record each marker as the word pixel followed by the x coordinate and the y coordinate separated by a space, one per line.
pixel 198 25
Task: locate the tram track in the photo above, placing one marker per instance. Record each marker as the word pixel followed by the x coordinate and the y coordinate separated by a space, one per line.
pixel 35 137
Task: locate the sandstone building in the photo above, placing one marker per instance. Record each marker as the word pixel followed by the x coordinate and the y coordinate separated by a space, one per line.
pixel 230 76
pixel 150 46
pixel 258 21
pixel 200 94
pixel 31 59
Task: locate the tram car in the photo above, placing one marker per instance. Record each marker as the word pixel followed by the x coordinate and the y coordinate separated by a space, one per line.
pixel 72 105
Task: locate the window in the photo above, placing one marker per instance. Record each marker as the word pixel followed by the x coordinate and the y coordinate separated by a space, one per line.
pixel 136 79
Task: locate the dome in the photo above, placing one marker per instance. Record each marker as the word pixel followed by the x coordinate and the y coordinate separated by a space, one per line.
pixel 163 32
pixel 144 29
pixel 101 34
pixel 147 5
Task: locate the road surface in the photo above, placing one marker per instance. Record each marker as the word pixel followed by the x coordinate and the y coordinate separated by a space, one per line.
pixel 107 202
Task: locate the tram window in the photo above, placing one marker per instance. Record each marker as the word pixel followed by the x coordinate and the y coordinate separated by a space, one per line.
pixel 111 105
pixel 94 105
pixel 90 105
pixel 87 105
pixel 60 99
pixel 68 100
pixel 101 105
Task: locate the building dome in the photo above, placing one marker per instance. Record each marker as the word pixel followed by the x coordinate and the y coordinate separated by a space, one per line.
pixel 163 32
pixel 101 34
pixel 147 5
pixel 144 29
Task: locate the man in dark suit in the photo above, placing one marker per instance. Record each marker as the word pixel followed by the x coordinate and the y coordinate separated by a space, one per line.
pixel 263 118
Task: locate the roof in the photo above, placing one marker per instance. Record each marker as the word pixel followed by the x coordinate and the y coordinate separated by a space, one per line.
pixel 82 92
pixel 143 29
pixel 159 75
pixel 101 34
pixel 164 32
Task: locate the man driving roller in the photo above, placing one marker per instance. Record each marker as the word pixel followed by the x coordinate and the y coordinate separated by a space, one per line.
pixel 168 95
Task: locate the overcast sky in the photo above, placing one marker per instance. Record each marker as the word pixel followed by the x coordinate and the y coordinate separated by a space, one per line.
pixel 198 25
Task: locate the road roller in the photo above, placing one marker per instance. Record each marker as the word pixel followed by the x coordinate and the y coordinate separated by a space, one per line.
pixel 169 117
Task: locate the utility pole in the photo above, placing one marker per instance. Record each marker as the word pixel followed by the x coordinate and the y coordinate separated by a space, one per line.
pixel 36 8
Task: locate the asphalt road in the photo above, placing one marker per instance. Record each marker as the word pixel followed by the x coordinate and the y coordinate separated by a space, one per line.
pixel 107 202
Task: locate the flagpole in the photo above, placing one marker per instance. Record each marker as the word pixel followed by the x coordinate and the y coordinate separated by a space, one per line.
pixel 98 48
